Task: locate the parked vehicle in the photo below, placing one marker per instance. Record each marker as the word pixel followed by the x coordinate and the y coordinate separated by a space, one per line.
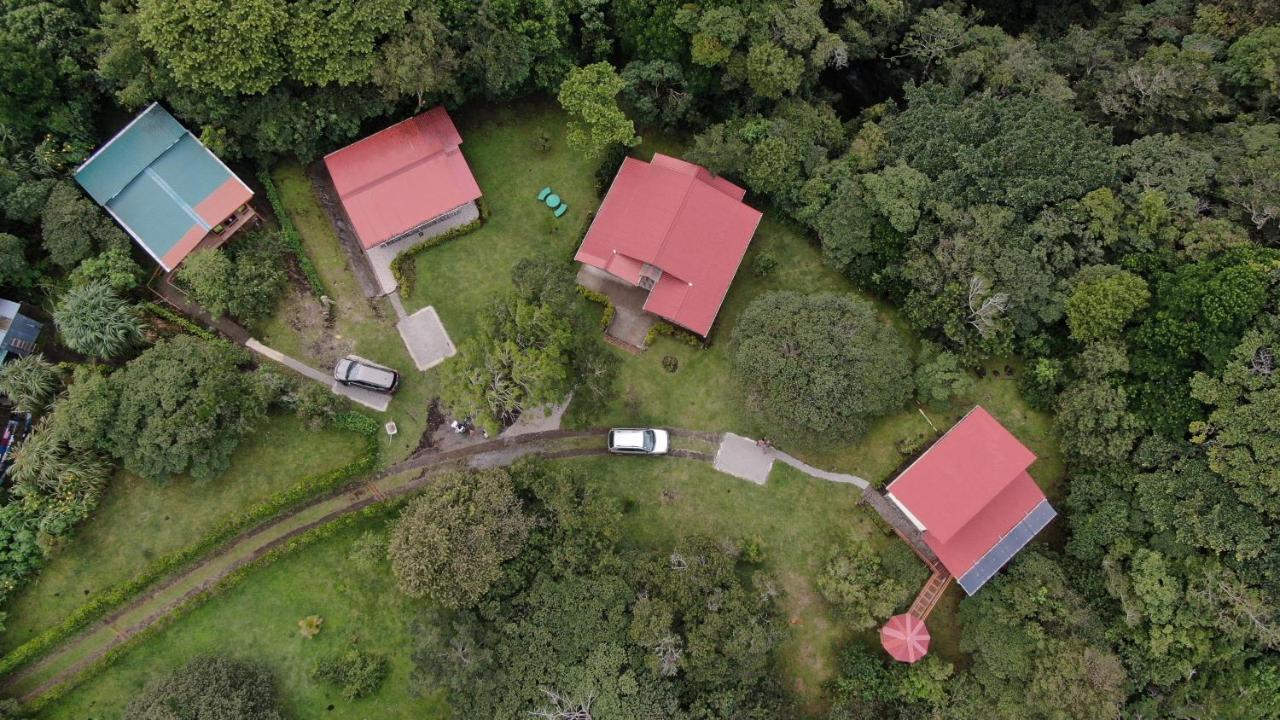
pixel 358 372
pixel 639 441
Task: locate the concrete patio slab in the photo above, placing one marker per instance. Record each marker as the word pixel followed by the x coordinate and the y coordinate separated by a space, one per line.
pixel 741 457
pixel 425 337
pixel 539 419
pixel 630 323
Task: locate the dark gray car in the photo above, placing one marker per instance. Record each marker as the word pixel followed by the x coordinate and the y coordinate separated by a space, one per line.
pixel 361 373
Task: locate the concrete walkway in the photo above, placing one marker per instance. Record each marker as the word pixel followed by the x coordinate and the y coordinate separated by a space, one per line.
pixel 380 257
pixel 367 398
pixel 741 457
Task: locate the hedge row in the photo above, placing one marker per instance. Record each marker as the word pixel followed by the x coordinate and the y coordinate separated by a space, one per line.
pixel 99 604
pixel 404 268
pixel 307 538
pixel 606 317
pixel 178 319
pixel 679 333
pixel 291 237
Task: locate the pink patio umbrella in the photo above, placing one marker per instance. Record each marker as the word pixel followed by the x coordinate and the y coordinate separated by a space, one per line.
pixel 905 638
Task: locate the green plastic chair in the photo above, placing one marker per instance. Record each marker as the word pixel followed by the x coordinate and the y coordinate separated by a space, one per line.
pixel 562 209
pixel 542 195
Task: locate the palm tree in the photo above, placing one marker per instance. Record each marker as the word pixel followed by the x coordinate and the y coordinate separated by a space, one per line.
pixel 29 382
pixel 95 321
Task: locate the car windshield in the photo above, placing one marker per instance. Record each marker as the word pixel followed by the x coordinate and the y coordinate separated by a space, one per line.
pixel 648 440
pixel 372 375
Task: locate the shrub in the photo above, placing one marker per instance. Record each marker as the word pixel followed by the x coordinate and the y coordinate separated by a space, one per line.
pixel 939 377
pixel 356 422
pixel 210 688
pixel 763 264
pixel 661 328
pixel 29 382
pixel 115 267
pixel 316 405
pixel 94 321
pixel 354 672
pixel 244 279
pixel 855 582
pixel 309 626
pixel 404 267
pixel 670 363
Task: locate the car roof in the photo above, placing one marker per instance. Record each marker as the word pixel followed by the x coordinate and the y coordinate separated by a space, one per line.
pixel 374 375
pixel 628 438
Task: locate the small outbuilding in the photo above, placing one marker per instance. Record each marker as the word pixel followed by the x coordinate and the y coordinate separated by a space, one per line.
pixel 166 189
pixel 403 179
pixel 971 497
pixel 18 333
pixel 672 228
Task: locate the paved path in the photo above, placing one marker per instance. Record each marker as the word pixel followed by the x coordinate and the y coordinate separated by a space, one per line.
pixel 743 458
pixel 368 398
pixel 380 257
pixel 815 472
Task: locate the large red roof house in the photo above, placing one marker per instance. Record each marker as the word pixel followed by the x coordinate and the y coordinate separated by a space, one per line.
pixel 403 179
pixel 674 229
pixel 971 497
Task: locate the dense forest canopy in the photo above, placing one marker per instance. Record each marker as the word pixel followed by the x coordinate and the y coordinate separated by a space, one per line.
pixel 1092 186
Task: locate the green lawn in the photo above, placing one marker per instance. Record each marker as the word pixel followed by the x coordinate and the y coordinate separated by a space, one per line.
pixel 461 276
pixel 797 519
pixel 140 520
pixel 258 620
pixel 297 328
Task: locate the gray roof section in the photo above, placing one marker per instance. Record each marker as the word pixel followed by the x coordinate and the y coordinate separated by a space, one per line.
pixel 1008 546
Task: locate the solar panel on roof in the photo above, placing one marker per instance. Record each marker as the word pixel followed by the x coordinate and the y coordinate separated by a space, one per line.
pixel 1013 541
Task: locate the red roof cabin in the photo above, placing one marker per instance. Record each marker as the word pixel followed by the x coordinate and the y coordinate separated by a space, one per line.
pixel 972 498
pixel 676 230
pixel 403 178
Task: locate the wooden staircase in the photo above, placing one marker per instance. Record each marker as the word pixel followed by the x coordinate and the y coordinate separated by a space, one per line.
pixel 930 593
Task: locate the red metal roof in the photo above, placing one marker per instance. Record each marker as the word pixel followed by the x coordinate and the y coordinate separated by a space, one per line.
pixel 956 478
pixel 680 219
pixel 993 522
pixel 905 637
pixel 397 179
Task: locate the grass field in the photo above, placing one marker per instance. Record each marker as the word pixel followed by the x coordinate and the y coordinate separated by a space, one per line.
pixel 462 276
pixel 258 620
pixel 796 519
pixel 140 520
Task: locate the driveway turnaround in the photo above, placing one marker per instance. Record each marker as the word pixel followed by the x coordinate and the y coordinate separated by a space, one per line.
pixel 425 337
pixel 741 457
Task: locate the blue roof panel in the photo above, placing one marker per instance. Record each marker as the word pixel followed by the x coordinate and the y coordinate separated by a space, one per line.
pixel 108 171
pixel 192 172
pixel 1013 541
pixel 152 215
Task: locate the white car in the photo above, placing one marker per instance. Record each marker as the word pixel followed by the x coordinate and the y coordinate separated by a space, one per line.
pixel 639 441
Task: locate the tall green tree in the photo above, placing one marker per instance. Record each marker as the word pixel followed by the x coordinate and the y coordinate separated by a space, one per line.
pixel 589 96
pixel 185 404
pixel 821 364
pixel 212 688
pixel 450 543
